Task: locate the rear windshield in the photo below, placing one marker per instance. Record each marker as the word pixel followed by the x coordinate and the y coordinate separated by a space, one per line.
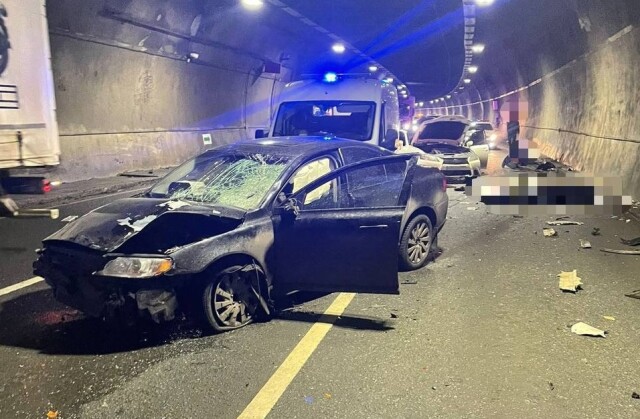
pixel 346 119
pixel 445 130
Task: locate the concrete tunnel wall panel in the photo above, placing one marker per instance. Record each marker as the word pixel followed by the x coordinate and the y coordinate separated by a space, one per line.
pixel 127 98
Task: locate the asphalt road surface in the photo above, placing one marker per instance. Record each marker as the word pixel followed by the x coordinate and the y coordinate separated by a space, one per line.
pixel 482 331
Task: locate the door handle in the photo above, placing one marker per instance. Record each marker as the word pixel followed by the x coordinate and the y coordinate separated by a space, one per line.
pixel 374 226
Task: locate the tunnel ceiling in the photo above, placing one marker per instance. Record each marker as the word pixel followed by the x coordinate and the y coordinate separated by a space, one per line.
pixel 420 42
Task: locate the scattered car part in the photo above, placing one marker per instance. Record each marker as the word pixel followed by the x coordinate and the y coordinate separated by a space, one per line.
pixel 585 244
pixel 621 252
pixel 549 232
pixel 584 329
pixel 631 242
pixel 565 223
pixel 570 281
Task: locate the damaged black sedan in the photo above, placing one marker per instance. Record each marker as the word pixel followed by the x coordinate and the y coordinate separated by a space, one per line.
pixel 226 233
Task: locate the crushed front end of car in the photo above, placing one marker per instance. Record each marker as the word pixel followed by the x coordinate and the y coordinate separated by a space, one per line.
pixel 118 259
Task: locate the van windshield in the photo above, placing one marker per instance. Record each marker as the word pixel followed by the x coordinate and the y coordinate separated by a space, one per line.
pixel 346 119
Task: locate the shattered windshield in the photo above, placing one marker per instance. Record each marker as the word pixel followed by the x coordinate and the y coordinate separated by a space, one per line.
pixel 236 180
pixel 346 119
pixel 445 130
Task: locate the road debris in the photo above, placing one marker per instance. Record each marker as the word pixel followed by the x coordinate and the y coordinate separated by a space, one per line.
pixel 585 244
pixel 327 396
pixel 308 399
pixel 595 231
pixel 551 386
pixel 472 208
pixel 394 316
pixel 409 283
pixel 565 223
pixel 570 281
pixel 635 395
pixel 621 252
pixel 631 242
pixel 459 188
pixel 584 329
pixel 634 294
pixel 549 232
pixel 69 219
pixel 610 318
pixel 52 414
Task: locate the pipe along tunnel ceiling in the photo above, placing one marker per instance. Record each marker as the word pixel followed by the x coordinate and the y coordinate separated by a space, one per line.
pixel 129 97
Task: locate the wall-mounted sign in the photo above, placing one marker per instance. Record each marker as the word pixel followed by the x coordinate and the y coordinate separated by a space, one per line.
pixel 206 139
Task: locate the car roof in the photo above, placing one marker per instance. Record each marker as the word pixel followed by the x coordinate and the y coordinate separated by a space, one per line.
pixel 292 146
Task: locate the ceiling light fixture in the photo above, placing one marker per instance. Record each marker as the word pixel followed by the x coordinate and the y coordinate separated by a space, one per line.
pixel 252 4
pixel 338 48
pixel 484 3
pixel 477 48
pixel 466 81
pixel 473 69
pixel 373 68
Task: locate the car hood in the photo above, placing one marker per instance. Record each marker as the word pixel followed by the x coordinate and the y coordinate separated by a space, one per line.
pixel 443 149
pixel 147 225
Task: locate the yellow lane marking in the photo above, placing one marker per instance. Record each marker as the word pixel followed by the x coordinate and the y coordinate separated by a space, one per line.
pixel 20 285
pixel 271 392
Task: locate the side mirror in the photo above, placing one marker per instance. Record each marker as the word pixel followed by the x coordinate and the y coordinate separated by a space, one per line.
pixel 260 133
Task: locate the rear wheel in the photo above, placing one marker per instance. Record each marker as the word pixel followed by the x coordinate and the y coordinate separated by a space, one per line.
pixel 416 243
pixel 229 300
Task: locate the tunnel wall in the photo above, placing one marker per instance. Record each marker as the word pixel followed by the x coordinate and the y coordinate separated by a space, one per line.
pixel 127 99
pixel 570 73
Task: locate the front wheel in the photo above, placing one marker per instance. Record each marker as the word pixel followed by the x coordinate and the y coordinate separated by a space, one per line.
pixel 229 300
pixel 416 243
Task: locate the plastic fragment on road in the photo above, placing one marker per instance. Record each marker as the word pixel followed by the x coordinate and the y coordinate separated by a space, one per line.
pixel 565 223
pixel 308 399
pixel 585 244
pixel 635 395
pixel 595 231
pixel 69 219
pixel 631 242
pixel 634 294
pixel 621 252
pixel 570 281
pixel 327 396
pixel 610 318
pixel 584 329
pixel 52 414
pixel 549 232
pixel 472 208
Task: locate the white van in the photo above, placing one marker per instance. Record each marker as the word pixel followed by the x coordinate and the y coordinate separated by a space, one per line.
pixel 356 108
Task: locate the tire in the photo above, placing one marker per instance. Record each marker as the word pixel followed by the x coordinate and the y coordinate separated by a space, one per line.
pixel 229 301
pixel 416 243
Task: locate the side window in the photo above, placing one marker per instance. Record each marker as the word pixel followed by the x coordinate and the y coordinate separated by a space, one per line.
pixel 377 186
pixel 310 172
pixel 352 155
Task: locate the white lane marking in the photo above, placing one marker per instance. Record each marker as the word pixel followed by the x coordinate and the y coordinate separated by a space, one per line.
pixel 20 285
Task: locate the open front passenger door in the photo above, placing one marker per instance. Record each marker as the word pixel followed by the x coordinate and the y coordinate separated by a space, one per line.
pixel 341 232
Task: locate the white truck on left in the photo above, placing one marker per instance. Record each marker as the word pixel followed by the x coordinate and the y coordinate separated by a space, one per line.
pixel 28 126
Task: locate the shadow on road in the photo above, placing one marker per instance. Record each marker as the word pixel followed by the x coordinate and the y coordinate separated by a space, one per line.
pixel 36 321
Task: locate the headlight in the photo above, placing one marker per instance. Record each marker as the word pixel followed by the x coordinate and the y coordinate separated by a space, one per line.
pixel 131 267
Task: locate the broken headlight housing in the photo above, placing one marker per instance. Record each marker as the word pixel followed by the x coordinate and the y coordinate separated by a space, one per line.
pixel 136 267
